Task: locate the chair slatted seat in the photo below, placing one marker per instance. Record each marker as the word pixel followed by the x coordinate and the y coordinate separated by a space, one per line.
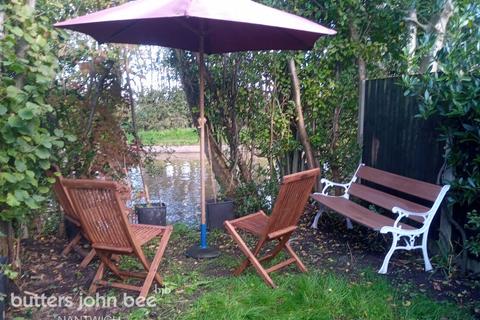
pixel 289 206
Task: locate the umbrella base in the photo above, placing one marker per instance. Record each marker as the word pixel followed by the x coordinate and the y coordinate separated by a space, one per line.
pixel 198 252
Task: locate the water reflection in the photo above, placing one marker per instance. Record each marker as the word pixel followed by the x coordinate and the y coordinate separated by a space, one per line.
pixel 175 180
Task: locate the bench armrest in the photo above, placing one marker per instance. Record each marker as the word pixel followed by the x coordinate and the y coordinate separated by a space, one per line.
pixel 405 213
pixel 329 184
pixel 402 213
pixel 400 231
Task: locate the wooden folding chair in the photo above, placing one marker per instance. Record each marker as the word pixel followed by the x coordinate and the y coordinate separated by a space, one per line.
pixel 289 206
pixel 72 216
pixel 101 213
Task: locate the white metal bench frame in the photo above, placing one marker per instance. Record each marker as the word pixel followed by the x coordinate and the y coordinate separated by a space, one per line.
pixel 409 236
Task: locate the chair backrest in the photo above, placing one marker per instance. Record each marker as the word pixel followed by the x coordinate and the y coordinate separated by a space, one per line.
pixel 64 200
pixel 101 213
pixel 291 200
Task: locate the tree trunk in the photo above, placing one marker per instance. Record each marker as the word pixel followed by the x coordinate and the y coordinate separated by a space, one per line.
pixel 302 132
pixel 94 100
pixel 219 163
pixel 214 153
pixel 2 21
pixel 362 76
pixel 437 26
pixel 131 102
pixel 412 37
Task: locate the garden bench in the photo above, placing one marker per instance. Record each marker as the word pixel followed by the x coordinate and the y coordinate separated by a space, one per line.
pixel 413 202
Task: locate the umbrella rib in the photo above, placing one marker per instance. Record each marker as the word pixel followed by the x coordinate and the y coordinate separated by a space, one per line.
pixel 111 38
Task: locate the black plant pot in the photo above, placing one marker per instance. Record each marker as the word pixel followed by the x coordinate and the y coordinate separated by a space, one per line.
pixel 155 213
pixel 218 212
pixel 3 288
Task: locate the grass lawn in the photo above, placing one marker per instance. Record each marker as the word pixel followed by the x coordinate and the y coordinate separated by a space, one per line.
pixel 315 296
pixel 206 289
pixel 169 137
pixel 319 294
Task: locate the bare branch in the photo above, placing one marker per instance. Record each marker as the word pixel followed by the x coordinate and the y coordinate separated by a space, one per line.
pixel 425 27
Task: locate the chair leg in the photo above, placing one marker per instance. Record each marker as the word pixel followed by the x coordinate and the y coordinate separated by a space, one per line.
pixel 384 268
pixel 253 260
pixel 153 267
pixel 246 262
pixel 428 265
pixel 98 276
pixel 72 244
pixel 298 262
pixel 278 248
pixel 86 261
pixel 107 261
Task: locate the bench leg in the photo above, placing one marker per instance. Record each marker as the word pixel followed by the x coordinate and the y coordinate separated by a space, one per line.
pixel 384 268
pixel 317 217
pixel 428 265
pixel 349 223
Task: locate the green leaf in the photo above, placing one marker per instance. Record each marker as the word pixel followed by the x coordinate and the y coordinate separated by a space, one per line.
pixel 38 197
pixel 3 157
pixel 20 165
pixel 44 164
pixel 58 143
pixel 3 110
pixel 8 177
pixel 32 204
pixel 12 201
pixel 71 138
pixel 21 195
pixel 13 92
pixel 17 31
pixel 58 132
pixel 26 113
pixel 47 144
pixel 42 153
pixel 43 189
pixel 14 121
pixel 30 173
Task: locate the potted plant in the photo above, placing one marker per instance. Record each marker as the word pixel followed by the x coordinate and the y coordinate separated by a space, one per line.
pixel 219 211
pixel 152 213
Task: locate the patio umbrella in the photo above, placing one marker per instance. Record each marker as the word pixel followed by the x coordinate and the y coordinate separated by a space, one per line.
pixel 203 26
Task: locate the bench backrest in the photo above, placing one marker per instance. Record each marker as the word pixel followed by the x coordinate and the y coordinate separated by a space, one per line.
pixel 417 188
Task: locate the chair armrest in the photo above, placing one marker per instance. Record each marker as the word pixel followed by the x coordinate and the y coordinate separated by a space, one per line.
pixel 329 184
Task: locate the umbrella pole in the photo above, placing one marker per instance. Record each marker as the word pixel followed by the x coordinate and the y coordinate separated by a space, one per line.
pixel 201 122
pixel 202 251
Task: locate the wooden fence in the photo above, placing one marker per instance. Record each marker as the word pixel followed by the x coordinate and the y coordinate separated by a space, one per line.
pixel 394 139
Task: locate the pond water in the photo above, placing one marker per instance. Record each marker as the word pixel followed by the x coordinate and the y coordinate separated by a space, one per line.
pixel 174 179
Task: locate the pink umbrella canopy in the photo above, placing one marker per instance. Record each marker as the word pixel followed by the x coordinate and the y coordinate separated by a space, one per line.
pixel 226 25
pixel 204 26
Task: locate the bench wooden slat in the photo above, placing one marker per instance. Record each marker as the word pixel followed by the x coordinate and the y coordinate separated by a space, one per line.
pixel 356 212
pixel 406 185
pixel 385 200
